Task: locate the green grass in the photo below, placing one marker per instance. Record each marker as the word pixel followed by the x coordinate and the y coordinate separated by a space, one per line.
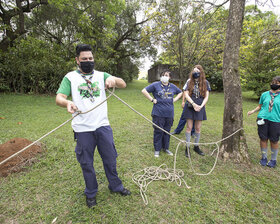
pixel 53 186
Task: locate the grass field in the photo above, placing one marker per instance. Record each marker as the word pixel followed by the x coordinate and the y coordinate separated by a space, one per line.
pixel 53 186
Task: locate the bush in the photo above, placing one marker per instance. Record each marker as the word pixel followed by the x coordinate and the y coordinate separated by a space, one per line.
pixel 33 66
pixel 216 81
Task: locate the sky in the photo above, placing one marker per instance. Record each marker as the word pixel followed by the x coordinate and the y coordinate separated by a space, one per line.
pixel 264 6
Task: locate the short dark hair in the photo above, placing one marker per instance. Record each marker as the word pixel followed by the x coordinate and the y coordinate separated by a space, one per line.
pixel 275 79
pixel 82 47
pixel 165 71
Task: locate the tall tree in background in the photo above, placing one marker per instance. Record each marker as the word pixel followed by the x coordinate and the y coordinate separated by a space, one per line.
pixel 178 26
pixel 12 15
pixel 260 49
pixel 191 33
pixel 235 147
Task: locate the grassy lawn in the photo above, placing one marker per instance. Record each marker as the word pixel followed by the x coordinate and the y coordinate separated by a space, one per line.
pixel 53 186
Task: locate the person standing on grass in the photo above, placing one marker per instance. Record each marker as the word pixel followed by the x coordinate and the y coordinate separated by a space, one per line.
pixel 196 93
pixel 268 121
pixel 163 109
pixel 183 121
pixel 87 88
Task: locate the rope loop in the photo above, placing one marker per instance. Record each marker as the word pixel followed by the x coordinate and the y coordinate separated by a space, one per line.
pixel 146 176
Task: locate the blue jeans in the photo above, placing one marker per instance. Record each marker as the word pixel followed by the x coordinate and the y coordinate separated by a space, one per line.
pixel 86 144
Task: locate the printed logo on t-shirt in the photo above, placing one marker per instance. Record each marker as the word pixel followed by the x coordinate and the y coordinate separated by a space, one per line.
pixel 89 90
pixel 165 94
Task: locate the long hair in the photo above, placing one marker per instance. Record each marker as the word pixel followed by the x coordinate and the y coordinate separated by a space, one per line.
pixel 201 80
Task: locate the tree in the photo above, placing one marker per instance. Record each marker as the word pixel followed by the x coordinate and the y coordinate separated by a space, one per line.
pixel 13 19
pixel 179 27
pixel 260 49
pixel 52 31
pixel 234 147
pixel 191 33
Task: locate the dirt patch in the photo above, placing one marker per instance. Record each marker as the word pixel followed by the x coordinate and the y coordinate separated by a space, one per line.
pixel 21 160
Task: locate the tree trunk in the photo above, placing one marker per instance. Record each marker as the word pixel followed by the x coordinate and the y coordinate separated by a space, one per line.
pixel 235 147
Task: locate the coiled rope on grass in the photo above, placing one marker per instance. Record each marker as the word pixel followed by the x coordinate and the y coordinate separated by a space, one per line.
pixel 150 173
pixel 162 172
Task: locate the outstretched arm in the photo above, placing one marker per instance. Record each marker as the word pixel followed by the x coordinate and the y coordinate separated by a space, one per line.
pixel 255 110
pixel 114 81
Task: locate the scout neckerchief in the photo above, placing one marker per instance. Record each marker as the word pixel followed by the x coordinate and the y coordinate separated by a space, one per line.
pixel 88 79
pixel 196 89
pixel 271 102
pixel 166 91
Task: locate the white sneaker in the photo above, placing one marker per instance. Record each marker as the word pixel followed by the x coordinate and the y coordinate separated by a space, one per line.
pixel 168 152
pixel 156 153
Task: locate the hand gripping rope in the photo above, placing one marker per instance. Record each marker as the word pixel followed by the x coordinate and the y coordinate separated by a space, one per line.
pixel 152 173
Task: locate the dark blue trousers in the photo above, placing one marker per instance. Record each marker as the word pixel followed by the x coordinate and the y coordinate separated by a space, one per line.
pixel 182 122
pixel 86 144
pixel 161 139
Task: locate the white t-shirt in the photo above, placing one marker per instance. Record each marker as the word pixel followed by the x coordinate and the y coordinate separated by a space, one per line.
pixel 85 99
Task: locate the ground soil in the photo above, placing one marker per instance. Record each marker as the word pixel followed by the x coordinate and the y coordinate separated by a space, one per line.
pixel 20 161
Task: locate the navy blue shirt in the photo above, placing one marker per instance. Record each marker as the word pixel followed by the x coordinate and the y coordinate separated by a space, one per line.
pixel 164 96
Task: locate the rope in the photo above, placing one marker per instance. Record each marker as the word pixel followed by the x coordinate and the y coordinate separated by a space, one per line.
pixel 151 174
pixel 77 113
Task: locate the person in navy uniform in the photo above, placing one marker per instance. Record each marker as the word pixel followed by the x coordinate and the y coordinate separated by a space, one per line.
pixel 163 109
pixel 196 93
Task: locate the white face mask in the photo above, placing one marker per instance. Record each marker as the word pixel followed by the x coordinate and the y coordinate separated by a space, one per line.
pixel 164 79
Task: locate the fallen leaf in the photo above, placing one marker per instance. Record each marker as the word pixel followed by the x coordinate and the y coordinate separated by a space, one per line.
pixel 19 123
pixel 54 220
pixel 2 118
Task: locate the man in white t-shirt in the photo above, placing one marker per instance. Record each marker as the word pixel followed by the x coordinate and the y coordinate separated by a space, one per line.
pixel 87 88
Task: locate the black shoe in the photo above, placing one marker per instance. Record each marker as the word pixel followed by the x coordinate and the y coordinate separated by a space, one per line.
pixel 91 202
pixel 187 153
pixel 198 151
pixel 124 192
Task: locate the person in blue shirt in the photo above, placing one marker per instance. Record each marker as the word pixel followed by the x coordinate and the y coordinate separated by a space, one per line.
pixel 163 109
pixel 197 94
pixel 268 121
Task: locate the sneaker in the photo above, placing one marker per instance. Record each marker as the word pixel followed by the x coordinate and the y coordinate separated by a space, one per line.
pixel 91 202
pixel 198 151
pixel 156 153
pixel 272 164
pixel 263 161
pixel 168 152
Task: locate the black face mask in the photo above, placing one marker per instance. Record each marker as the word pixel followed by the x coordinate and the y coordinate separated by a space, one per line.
pixel 196 75
pixel 87 66
pixel 274 86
